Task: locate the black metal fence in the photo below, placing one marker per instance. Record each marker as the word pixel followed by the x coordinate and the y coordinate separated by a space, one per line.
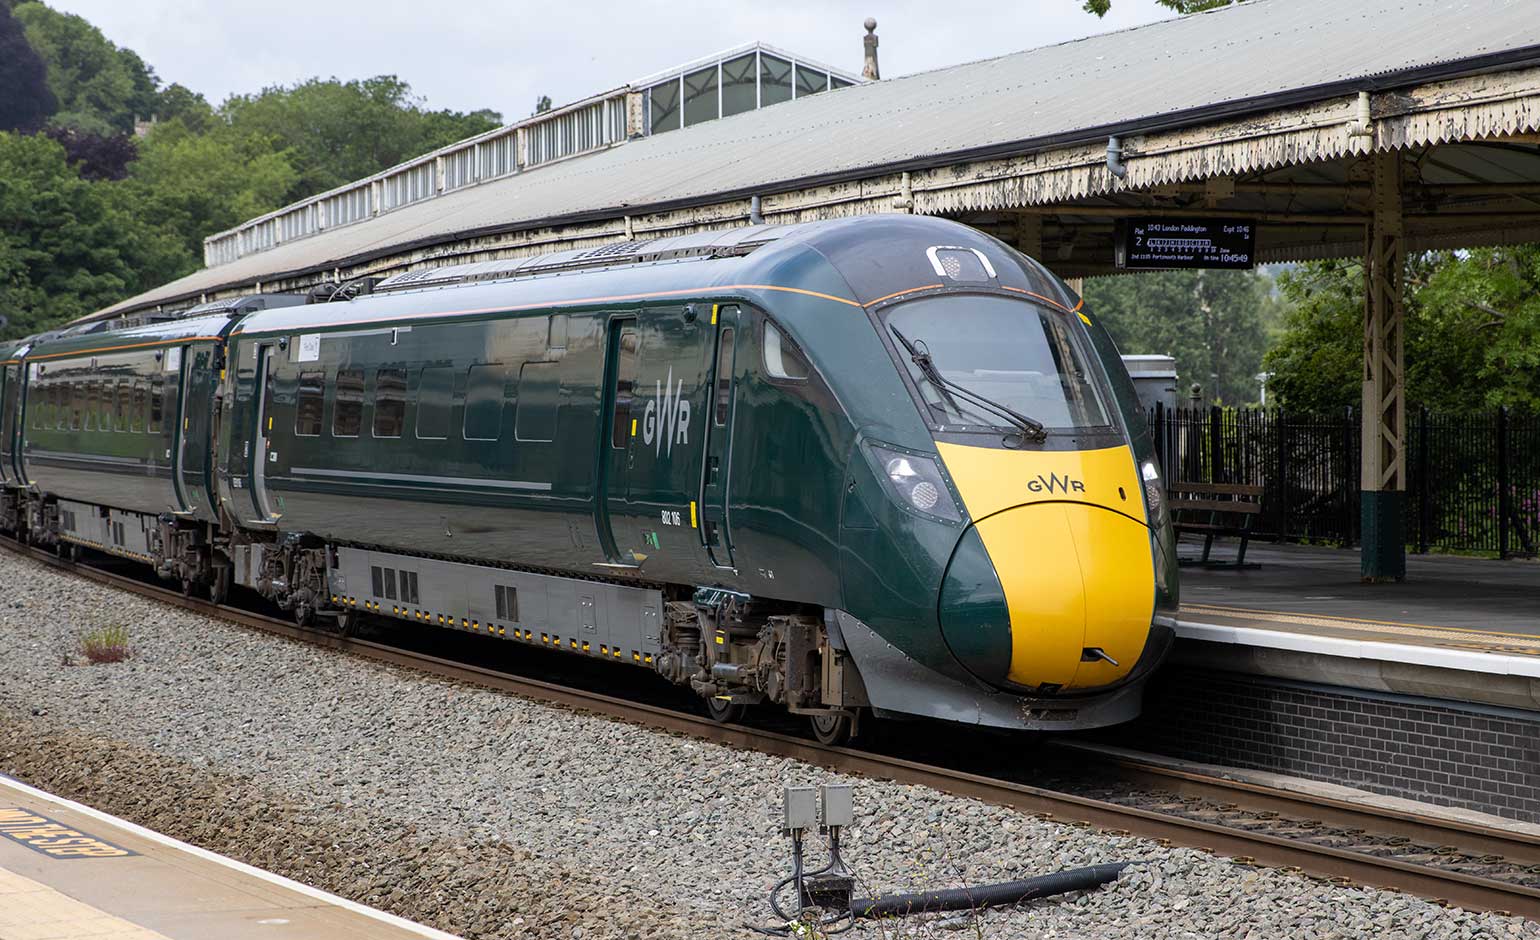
pixel 1473 478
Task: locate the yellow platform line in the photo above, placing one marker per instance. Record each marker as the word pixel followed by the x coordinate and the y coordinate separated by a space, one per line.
pixel 30 910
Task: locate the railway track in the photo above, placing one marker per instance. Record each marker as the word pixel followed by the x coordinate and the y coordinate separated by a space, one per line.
pixel 1455 862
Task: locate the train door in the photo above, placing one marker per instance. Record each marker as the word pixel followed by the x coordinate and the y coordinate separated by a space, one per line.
pixel 10 430
pixel 264 433
pixel 715 525
pixel 622 358
pixel 192 450
pixel 179 363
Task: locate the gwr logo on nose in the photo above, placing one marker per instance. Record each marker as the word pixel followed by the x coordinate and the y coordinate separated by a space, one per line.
pixel 1053 483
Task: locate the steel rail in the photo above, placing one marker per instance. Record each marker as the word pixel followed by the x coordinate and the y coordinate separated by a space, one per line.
pixel 1255 848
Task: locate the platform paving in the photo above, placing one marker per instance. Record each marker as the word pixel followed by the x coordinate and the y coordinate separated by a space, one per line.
pixel 68 872
pixel 1440 591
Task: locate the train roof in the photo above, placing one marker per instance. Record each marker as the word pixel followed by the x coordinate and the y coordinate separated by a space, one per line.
pixel 856 261
pixel 158 333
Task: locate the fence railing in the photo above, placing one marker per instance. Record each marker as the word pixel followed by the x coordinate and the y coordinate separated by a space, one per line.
pixel 1473 478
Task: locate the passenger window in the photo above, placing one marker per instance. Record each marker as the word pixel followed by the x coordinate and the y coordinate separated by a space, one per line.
pixel 136 409
pixel 484 402
pixel 724 377
pixel 389 402
pixel 348 411
pixel 125 395
pixel 390 583
pixel 77 403
pixel 783 360
pixel 539 397
pixel 625 384
pixel 90 405
pixel 157 397
pixel 309 404
pixel 435 396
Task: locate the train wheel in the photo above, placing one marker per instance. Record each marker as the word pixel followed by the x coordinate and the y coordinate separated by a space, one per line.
pixel 834 728
pixel 219 587
pixel 347 622
pixel 304 615
pixel 723 712
pixel 189 587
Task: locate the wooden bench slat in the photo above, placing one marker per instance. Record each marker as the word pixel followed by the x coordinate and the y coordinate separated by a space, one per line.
pixel 1215 505
pixel 1208 527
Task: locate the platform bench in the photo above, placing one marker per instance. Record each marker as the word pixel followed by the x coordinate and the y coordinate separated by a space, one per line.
pixel 1213 510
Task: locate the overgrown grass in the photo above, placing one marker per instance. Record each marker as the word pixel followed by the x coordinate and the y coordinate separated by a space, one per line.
pixel 104 644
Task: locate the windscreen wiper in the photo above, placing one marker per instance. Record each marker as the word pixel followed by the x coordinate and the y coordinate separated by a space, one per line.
pixel 1028 426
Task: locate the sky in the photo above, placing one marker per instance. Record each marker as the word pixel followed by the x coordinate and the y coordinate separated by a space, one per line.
pixel 471 54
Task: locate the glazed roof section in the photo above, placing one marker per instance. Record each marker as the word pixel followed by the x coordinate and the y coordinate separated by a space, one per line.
pixel 1241 59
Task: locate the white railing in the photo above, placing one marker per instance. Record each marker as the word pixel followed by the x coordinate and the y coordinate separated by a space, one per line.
pixel 583 127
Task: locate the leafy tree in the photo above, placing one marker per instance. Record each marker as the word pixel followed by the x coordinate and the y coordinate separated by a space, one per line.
pixel 100 88
pixel 67 246
pixel 1100 7
pixel 93 156
pixel 543 104
pixel 1472 332
pixel 178 102
pixel 336 132
pixel 192 185
pixel 25 101
pixel 1215 323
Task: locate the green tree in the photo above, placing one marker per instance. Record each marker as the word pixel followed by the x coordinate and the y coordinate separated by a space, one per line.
pixel 1215 323
pixel 191 185
pixel 67 246
pixel 336 132
pixel 100 88
pixel 25 101
pixel 1472 332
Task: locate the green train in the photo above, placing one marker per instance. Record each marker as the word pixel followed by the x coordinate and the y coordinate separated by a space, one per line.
pixel 881 466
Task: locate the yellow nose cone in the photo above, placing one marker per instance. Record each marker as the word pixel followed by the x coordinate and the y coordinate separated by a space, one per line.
pixel 1076 578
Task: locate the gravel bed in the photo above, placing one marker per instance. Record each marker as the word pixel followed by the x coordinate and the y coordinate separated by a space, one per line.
pixel 492 816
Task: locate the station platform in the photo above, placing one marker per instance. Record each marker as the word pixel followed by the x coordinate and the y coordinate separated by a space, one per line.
pixel 68 872
pixel 1466 629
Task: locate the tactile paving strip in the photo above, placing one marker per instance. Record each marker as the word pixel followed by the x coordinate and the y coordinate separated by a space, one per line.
pixel 1504 642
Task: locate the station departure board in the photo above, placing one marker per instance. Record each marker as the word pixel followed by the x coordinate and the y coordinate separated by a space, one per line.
pixel 1154 243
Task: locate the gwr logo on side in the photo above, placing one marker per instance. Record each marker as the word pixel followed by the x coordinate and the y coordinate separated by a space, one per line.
pixel 52 838
pixel 1053 483
pixel 666 418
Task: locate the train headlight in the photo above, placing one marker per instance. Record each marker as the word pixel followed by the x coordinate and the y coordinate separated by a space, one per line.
pixel 917 483
pixel 1154 492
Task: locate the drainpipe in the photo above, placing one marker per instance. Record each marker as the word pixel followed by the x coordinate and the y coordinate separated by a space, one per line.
pixel 1115 164
pixel 756 217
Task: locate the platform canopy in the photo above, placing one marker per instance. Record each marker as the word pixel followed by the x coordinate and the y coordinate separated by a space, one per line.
pixel 1253 109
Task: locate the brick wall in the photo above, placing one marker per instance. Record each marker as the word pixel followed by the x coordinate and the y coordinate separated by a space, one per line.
pixel 1473 756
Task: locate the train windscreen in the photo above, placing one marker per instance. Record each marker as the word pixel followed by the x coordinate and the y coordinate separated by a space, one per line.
pixel 1010 353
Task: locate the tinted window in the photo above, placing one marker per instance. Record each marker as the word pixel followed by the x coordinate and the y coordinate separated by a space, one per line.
pixel 348 411
pixel 484 402
pixel 157 396
pixel 309 403
pixel 90 404
pixel 389 402
pixel 136 408
pixel 125 404
pixel 625 384
pixel 782 359
pixel 435 395
pixel 724 376
pixel 76 392
pixel 535 418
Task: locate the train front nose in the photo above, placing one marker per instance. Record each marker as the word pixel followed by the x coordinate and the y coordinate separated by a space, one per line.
pixel 1052 596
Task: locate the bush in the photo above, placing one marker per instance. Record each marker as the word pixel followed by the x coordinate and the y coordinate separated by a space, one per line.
pixel 105 645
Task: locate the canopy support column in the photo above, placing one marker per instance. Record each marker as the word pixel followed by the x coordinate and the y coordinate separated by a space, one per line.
pixel 1383 470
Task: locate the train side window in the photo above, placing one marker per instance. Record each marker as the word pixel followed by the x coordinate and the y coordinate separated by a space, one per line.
pixel 125 394
pixel 76 391
pixel 377 576
pixel 309 404
pixel 136 409
pixel 157 401
pixel 390 583
pixel 435 399
pixel 724 376
pixel 539 400
pixel 90 406
pixel 783 360
pixel 389 402
pixel 625 384
pixel 484 402
pixel 348 410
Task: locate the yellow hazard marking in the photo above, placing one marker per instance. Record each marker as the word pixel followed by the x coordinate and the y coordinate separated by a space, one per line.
pixel 1084 319
pixel 692 513
pixel 714 309
pixel 53 838
pixel 633 427
pixel 269 423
